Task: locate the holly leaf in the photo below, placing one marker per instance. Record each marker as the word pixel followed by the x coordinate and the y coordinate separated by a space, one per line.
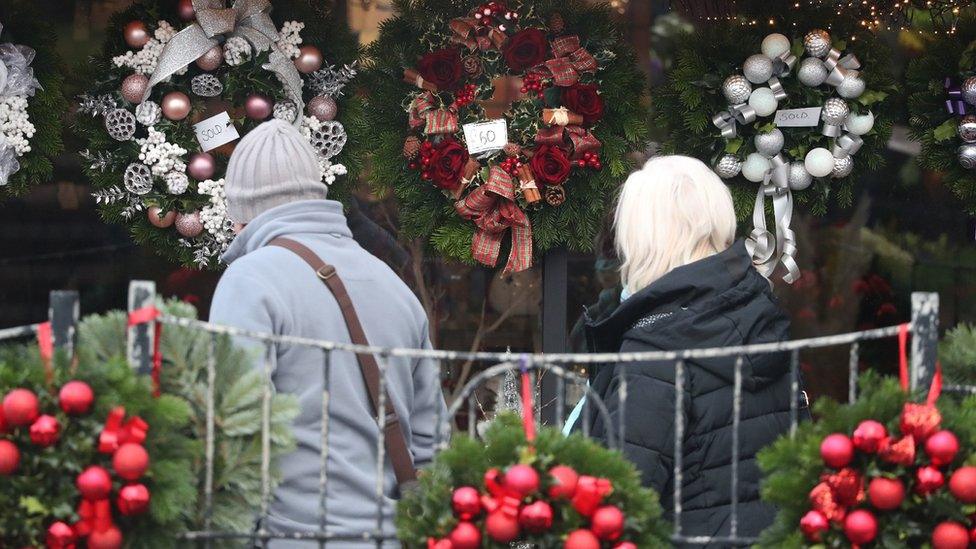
pixel 946 131
pixel 732 146
pixel 33 506
pixel 871 97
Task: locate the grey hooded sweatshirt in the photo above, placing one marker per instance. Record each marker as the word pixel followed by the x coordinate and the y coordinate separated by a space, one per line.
pixel 271 289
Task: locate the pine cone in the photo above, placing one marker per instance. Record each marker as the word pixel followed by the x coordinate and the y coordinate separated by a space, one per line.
pixel 556 23
pixel 411 146
pixel 512 149
pixel 472 66
pixel 555 195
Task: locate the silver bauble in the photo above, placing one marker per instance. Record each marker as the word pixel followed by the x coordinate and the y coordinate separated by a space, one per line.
pixel 758 68
pixel 969 90
pixel 137 179
pixel 967 128
pixel 148 113
pixel 799 178
pixel 835 111
pixel 736 89
pixel 817 43
pixel 206 85
pixel 728 166
pixel 770 143
pixel 120 124
pixel 812 72
pixel 842 167
pixel 851 87
pixel 967 156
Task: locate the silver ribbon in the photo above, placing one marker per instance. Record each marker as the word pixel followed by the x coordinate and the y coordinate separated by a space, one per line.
pixel 726 120
pixel 8 161
pixel 839 68
pixel 831 130
pixel 847 145
pixel 247 19
pixel 778 92
pixel 769 250
pixel 783 64
pixel 18 76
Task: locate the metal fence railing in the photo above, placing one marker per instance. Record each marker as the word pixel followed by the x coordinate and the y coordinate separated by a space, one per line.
pixel 924 326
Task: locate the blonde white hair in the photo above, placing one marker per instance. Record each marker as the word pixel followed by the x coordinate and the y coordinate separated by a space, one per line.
pixel 672 212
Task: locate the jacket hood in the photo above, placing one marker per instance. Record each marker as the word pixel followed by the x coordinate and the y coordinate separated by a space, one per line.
pixel 294 218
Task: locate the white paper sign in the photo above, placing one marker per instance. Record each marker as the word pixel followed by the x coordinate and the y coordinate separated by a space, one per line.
pixel 485 136
pixel 795 118
pixel 215 131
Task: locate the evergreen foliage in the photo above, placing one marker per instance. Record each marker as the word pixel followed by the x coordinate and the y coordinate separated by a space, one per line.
pixel 957 353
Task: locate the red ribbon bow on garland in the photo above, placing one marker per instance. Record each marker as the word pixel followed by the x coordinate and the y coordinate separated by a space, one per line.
pixel 500 499
pixel 144 316
pixel 94 516
pixel 468 32
pixel 570 60
pixel 116 433
pixel 45 346
pixel 493 209
pixel 581 140
pixel 935 389
pixel 589 494
pixel 424 113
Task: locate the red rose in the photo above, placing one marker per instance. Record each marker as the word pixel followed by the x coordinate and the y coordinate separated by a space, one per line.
pixel 447 162
pixel 584 100
pixel 526 49
pixel 441 68
pixel 550 165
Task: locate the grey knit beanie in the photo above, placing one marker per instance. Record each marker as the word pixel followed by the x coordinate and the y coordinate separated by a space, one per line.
pixel 272 165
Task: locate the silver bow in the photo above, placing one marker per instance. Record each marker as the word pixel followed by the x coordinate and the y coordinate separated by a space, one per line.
pixel 839 68
pixel 726 120
pixel 769 250
pixel 247 19
pixel 847 145
pixel 16 74
pixel 778 92
pixel 8 161
pixel 783 64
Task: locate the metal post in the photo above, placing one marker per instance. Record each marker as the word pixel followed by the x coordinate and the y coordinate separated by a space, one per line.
pixel 554 337
pixel 139 340
pixel 63 313
pixel 925 338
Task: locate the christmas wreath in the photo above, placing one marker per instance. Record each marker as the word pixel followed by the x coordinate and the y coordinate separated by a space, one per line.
pixel 31 97
pixel 179 82
pixel 545 171
pixel 789 112
pixel 942 109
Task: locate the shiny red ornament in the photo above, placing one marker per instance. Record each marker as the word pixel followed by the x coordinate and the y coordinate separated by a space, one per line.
pixel 20 407
pixel 564 481
pixel 60 536
pixel 962 484
pixel 942 448
pixel 309 59
pixel 76 398
pixel 950 535
pixel 625 545
pixel 466 502
pixel 130 461
pixel 258 107
pixel 861 526
pixel 502 527
pixel 607 522
pixel 928 479
pixel 94 483
pixel 106 539
pixel 133 499
pixel 900 452
pixel 136 34
pixel 582 539
pixel 590 492
pixel 920 420
pixel 9 457
pixel 536 517
pixel 186 11
pixel 465 536
pixel 45 431
pixel 813 524
pixel 522 479
pixel 445 543
pixel 3 421
pixel 868 436
pixel 886 494
pixel 837 450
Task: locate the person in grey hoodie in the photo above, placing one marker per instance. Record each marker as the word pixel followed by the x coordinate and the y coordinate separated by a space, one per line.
pixel 273 189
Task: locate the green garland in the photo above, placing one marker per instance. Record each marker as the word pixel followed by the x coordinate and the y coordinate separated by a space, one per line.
pixel 952 56
pixel 427 513
pixel 23 24
pixel 421 27
pixel 106 159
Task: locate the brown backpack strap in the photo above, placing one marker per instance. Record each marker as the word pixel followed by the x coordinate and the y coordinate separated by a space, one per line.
pixel 396 443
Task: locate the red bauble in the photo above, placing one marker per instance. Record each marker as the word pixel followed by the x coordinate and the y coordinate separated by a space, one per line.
pixel 94 483
pixel 522 479
pixel 962 484
pixel 868 436
pixel 942 448
pixel 502 527
pixel 465 536
pixel 466 502
pixel 582 539
pixel 950 535
pixel 20 407
pixel 625 545
pixel 76 398
pixel 837 450
pixel 886 493
pixel 3 421
pixel 130 461
pixel 813 524
pixel 607 522
pixel 60 536
pixel 536 517
pixel 45 431
pixel 106 539
pixel 439 543
pixel 9 457
pixel 860 526
pixel 928 479
pixel 564 481
pixel 133 499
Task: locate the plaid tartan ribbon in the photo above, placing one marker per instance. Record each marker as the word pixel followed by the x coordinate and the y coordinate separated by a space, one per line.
pixel 493 209
pixel 570 59
pixel 469 33
pixel 581 140
pixel 424 113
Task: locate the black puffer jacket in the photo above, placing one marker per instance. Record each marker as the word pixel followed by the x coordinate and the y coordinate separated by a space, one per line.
pixel 718 301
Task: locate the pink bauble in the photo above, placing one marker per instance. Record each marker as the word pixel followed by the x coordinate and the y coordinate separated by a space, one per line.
pixel 189 225
pixel 186 11
pixel 868 436
pixel 202 166
pixel 522 479
pixel 76 398
pixel 309 59
pixel 161 221
pixel 861 526
pixel 837 450
pixel 211 60
pixel 950 535
pixel 135 33
pixel 176 105
pixel 134 87
pixel 323 107
pixel 258 107
pixel 94 483
pixel 942 448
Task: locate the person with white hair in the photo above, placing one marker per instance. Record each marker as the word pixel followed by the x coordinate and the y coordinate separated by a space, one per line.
pixel 687 284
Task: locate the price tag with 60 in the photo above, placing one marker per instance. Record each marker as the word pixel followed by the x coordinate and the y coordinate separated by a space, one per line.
pixel 215 131
pixel 485 136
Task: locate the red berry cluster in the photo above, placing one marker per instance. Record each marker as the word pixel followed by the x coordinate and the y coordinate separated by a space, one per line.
pixel 495 13
pixel 532 82
pixel 590 160
pixel 423 162
pixel 465 96
pixel 511 165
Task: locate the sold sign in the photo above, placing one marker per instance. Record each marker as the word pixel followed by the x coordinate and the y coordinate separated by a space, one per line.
pixel 215 131
pixel 787 118
pixel 485 136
